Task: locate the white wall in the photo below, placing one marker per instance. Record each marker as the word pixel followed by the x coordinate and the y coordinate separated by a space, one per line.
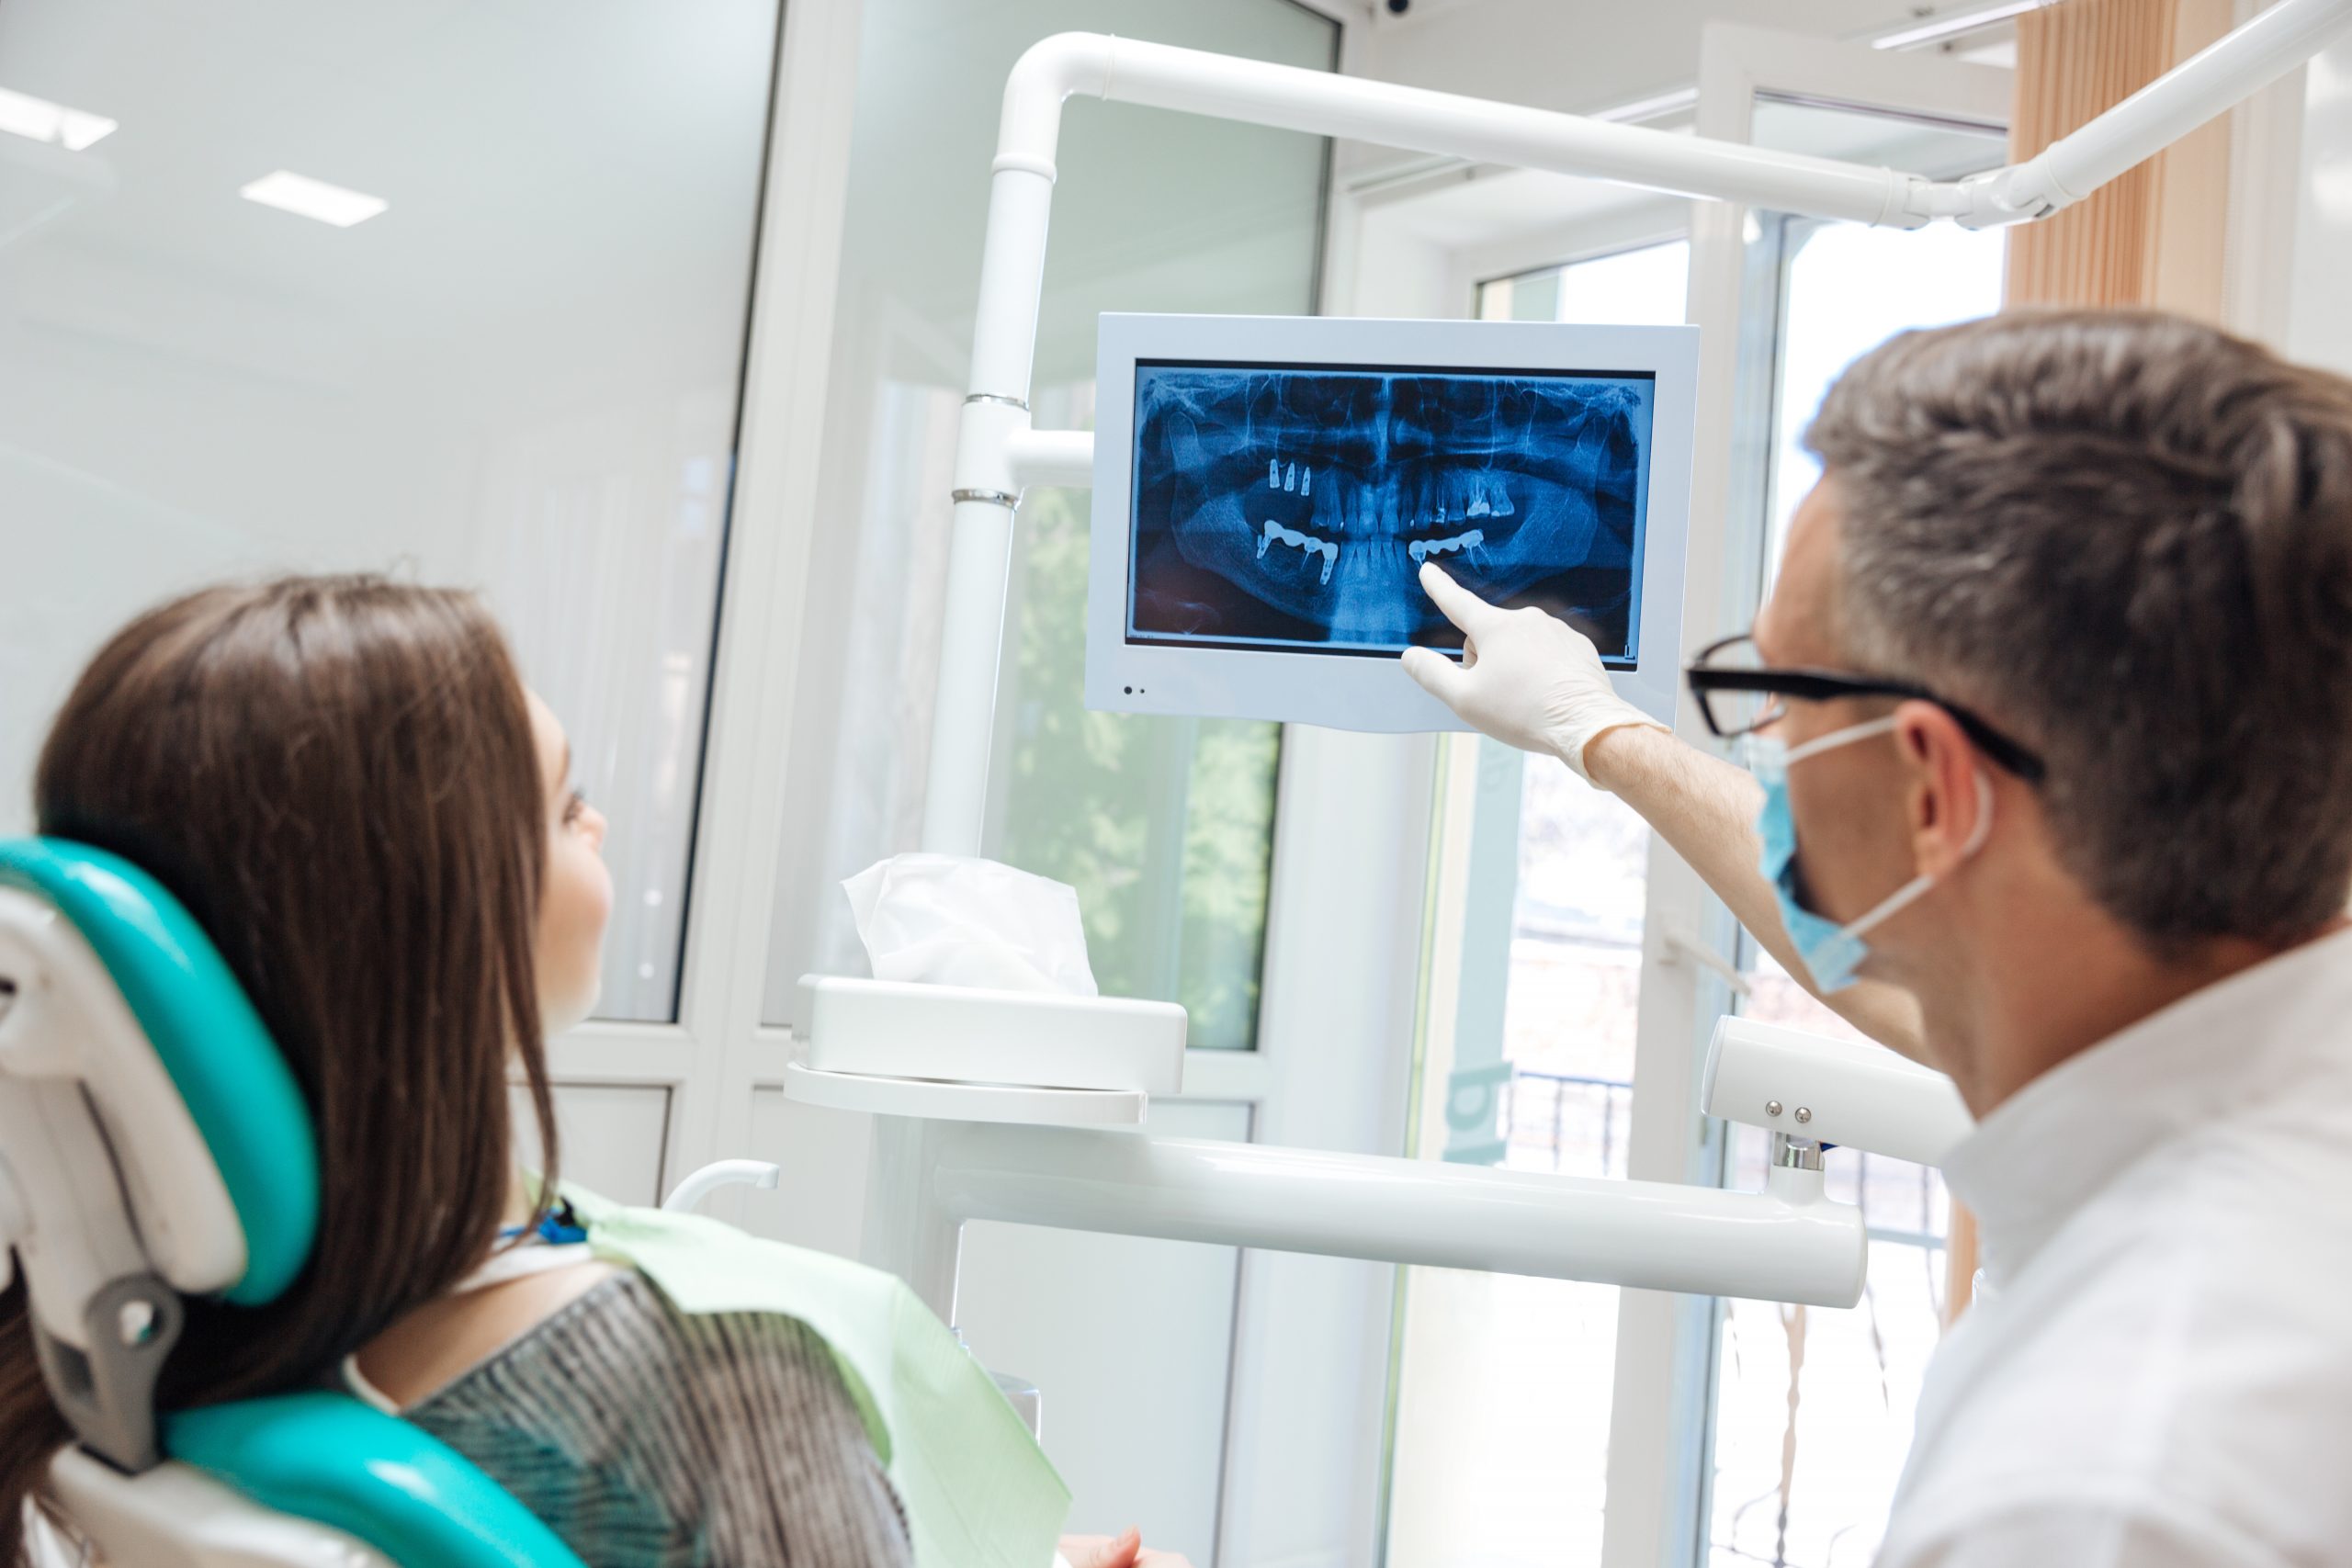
pixel 2319 318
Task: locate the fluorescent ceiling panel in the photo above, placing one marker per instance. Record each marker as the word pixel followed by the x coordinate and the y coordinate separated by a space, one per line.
pixel 290 192
pixel 24 115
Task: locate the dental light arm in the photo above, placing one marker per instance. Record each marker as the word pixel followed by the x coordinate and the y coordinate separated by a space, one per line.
pixel 2210 83
pixel 1816 1090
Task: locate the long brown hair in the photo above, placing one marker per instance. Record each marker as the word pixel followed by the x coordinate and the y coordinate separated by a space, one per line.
pixel 337 775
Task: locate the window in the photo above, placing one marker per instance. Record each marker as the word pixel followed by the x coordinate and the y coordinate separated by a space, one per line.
pixel 1165 826
pixel 1504 1384
pixel 520 373
pixel 1814 1409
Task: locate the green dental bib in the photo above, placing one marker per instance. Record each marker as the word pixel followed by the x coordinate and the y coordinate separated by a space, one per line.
pixel 978 1492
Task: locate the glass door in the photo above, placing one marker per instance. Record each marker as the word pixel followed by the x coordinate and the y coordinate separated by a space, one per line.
pixel 1503 1381
pixel 1745 1431
pixel 1813 1410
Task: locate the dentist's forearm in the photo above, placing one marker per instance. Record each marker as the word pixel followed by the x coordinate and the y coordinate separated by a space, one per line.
pixel 1705 810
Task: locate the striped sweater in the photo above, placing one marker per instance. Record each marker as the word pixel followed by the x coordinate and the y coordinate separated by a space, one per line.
pixel 648 1437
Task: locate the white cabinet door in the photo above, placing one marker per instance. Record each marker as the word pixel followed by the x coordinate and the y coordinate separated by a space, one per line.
pixel 610 1137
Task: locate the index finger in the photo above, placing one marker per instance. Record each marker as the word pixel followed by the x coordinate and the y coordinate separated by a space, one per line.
pixel 1463 608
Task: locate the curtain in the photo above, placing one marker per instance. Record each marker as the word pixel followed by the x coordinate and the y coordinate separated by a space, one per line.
pixel 2154 236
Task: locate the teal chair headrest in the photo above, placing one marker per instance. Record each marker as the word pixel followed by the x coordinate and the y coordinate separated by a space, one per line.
pixel 236 1085
pixel 328 1458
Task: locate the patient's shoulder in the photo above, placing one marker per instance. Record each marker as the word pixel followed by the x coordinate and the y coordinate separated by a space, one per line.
pixel 436 1344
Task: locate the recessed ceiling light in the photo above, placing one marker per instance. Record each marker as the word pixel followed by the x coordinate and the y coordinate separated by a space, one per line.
pixel 24 115
pixel 290 192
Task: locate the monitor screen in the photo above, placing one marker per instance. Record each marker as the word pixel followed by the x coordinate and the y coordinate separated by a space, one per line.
pixel 1291 506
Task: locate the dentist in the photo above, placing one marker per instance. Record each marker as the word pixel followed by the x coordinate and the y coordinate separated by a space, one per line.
pixel 2049 719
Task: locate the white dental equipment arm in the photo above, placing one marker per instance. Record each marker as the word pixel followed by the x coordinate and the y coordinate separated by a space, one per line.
pixel 928 1176
pixel 1787 1243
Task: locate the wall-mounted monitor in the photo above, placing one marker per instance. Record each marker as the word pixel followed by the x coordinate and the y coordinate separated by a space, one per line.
pixel 1266 489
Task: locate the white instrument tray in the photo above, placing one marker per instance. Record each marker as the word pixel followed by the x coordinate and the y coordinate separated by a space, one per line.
pixel 964 1034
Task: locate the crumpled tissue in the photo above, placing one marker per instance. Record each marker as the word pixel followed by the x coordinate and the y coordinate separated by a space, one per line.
pixel 958 920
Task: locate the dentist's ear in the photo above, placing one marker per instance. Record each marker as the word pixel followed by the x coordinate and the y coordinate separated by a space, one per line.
pixel 1948 800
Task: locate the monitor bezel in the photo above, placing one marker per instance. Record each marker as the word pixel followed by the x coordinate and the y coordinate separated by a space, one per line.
pixel 1350 689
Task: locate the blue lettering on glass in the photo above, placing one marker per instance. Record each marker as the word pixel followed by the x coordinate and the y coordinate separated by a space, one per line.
pixel 1295 506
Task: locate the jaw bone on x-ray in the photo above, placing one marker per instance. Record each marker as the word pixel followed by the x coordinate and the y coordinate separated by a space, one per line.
pixel 1296 505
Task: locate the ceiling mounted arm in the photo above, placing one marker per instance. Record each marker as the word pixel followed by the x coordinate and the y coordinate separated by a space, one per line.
pixel 2209 82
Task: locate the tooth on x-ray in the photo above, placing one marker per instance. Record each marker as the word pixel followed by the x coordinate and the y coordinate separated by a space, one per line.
pixel 1276 533
pixel 1422 550
pixel 1290 478
pixel 1273 472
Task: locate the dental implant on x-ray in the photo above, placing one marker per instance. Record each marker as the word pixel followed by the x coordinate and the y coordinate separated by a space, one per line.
pixel 1300 505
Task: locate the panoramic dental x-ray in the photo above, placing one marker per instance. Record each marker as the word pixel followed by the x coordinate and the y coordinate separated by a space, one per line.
pixel 1295 505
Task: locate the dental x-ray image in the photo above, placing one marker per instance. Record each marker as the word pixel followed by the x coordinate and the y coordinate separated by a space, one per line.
pixel 1294 505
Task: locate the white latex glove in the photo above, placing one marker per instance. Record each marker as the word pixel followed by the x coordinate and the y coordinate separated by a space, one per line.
pixel 1527 678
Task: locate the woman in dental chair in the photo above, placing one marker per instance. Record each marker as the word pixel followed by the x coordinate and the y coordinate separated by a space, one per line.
pixel 346 782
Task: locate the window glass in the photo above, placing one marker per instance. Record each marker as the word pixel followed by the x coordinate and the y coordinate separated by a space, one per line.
pixel 1642 287
pixel 1849 288
pixel 1505 1382
pixel 1815 1408
pixel 1163 825
pixel 508 359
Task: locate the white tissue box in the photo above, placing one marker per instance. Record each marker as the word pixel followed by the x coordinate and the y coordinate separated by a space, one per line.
pixel 962 1035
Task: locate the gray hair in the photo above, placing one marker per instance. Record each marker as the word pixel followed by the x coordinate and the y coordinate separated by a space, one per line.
pixel 2126 539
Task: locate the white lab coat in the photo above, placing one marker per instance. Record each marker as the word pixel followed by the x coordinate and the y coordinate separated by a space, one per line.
pixel 2165 1375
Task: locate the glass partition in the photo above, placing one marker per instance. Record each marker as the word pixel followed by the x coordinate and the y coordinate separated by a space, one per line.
pixel 456 292
pixel 1164 826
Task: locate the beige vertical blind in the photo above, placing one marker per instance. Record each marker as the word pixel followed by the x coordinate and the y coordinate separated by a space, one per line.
pixel 2154 236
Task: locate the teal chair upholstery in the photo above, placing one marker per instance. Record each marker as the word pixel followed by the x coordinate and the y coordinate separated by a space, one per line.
pixel 317 1456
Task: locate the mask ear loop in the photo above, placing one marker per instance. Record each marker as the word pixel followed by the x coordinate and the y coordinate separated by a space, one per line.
pixel 1983 817
pixel 1837 738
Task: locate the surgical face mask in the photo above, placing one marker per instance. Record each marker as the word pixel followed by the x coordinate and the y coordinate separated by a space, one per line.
pixel 1832 953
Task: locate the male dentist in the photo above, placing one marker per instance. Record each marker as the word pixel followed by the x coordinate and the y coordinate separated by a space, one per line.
pixel 2051 717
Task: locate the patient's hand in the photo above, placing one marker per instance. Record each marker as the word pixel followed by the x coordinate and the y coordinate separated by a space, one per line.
pixel 1115 1552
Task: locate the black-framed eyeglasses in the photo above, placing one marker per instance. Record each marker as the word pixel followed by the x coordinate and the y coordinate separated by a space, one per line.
pixel 1738 694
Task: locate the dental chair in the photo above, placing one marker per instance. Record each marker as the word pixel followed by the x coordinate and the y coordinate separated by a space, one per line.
pixel 155 1146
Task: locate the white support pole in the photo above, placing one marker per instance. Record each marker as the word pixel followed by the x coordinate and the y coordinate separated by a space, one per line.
pixel 909 1231
pixel 1788 1243
pixel 1320 103
pixel 1012 270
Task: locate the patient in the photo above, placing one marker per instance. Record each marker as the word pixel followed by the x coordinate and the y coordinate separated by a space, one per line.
pixel 348 785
